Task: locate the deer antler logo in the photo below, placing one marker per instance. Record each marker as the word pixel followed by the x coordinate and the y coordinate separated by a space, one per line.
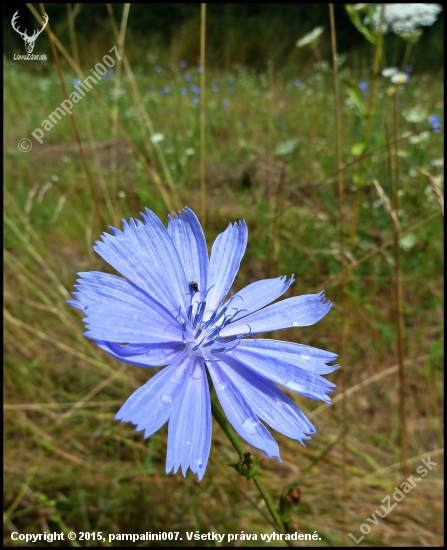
pixel 29 40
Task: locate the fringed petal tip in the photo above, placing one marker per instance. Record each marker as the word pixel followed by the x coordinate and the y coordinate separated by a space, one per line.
pixel 324 299
pixel 180 214
pixel 199 471
pixel 301 441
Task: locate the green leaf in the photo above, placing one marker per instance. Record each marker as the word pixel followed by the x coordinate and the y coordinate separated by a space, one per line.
pixel 356 96
pixel 358 149
pixel 356 20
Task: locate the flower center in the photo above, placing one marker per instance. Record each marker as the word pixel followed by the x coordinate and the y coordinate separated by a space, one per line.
pixel 199 335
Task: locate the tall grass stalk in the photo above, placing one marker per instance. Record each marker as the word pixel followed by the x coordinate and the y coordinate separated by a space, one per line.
pixel 344 281
pixel 394 184
pixel 75 126
pixel 274 255
pixel 202 114
pixel 368 127
pixel 271 199
pixel 115 108
pixel 147 129
pixel 111 206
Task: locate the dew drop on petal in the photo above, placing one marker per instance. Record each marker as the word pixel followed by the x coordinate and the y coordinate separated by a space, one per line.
pixel 294 386
pixel 166 399
pixel 197 374
pixel 305 357
pixel 280 404
pixel 250 425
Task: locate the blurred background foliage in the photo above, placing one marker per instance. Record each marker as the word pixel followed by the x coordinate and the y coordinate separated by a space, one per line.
pixel 241 33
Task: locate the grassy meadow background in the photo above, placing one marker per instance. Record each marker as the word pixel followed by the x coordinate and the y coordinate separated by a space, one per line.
pixel 271 159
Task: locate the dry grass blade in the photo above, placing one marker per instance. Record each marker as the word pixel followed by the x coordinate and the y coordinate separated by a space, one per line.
pixel 365 383
pixel 437 188
pixel 386 202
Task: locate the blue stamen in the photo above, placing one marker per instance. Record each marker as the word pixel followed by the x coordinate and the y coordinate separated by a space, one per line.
pixel 199 314
pixel 216 350
pixel 221 313
pixel 198 345
pixel 208 344
pixel 214 333
pixel 225 340
pixel 190 312
pixel 227 291
pixel 210 320
pixel 229 319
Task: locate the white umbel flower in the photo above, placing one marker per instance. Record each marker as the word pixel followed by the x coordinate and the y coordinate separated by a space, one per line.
pixel 405 18
pixel 156 138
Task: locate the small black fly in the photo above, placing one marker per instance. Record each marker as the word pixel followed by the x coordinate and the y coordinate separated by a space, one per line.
pixel 193 286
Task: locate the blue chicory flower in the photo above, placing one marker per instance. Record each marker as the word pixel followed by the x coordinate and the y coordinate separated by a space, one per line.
pixel 165 90
pixel 225 104
pixel 183 64
pixel 363 86
pixel 297 83
pixel 215 86
pixel 170 309
pixel 195 100
pixel 195 89
pixel 184 91
pixel 109 74
pixel 187 77
pixel 435 123
pixel 158 69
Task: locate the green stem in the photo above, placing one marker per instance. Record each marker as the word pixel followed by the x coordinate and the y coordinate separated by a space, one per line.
pixel 223 423
pixel 407 54
pixel 268 500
